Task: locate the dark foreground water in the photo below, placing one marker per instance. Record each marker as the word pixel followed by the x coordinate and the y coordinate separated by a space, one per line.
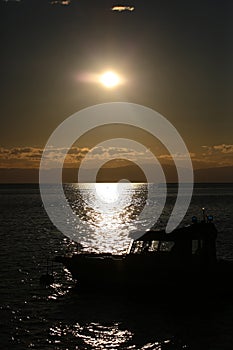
pixel 58 317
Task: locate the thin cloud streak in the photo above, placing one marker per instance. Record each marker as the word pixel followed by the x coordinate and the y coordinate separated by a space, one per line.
pixel 29 157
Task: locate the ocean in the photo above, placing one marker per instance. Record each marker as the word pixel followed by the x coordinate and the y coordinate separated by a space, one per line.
pixel 59 317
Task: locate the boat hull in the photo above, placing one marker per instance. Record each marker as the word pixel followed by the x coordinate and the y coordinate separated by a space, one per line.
pixel 138 273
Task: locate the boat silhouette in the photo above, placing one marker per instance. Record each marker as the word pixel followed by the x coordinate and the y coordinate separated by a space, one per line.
pixel 183 260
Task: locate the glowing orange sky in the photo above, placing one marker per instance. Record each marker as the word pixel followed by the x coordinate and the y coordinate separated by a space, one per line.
pixel 175 59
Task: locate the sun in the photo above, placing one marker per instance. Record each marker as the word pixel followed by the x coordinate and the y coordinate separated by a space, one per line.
pixel 109 79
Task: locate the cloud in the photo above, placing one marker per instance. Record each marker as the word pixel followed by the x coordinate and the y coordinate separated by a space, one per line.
pixel 113 153
pixel 216 155
pixel 218 149
pixel 60 2
pixel 209 156
pixel 170 157
pixel 20 153
pixel 121 8
pixel 29 157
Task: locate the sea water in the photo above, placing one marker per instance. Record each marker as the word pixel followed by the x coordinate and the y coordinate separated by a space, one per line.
pixel 59 317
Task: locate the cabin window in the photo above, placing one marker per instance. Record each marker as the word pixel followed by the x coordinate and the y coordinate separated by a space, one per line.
pixel 197 245
pixel 166 246
pixel 154 246
pixel 137 247
pixel 157 246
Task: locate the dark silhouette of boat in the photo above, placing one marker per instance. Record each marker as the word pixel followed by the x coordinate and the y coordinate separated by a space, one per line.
pixel 183 260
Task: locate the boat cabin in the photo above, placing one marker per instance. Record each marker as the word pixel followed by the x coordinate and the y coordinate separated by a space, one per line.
pixel 196 242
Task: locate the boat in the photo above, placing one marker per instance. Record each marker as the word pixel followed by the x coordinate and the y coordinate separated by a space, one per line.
pixel 184 259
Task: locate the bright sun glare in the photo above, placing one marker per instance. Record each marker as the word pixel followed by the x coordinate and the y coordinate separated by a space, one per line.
pixel 107 193
pixel 109 79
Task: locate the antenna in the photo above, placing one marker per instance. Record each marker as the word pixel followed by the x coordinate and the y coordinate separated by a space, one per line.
pixel 203 214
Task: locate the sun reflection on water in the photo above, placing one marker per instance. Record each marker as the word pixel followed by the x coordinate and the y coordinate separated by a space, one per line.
pixel 99 336
pixel 94 335
pixel 102 337
pixel 110 210
pixel 107 193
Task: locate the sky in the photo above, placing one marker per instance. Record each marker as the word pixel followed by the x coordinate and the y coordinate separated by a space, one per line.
pixel 176 57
